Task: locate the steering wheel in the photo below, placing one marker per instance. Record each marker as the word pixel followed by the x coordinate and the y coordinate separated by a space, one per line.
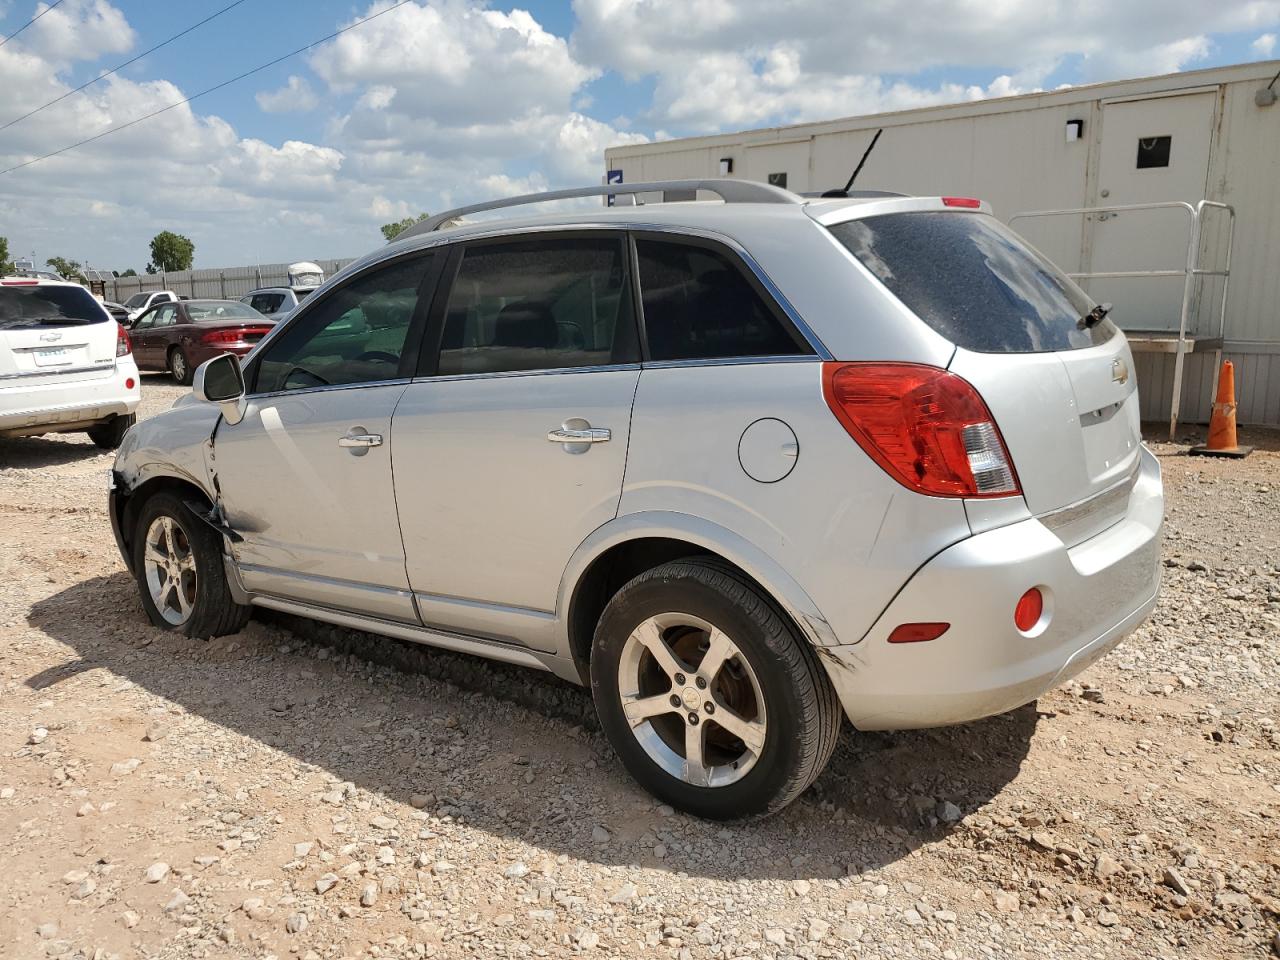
pixel 377 356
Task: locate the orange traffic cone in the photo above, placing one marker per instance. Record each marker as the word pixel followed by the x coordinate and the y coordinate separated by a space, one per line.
pixel 1222 425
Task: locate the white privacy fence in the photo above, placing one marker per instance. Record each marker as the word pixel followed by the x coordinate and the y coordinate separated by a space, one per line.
pixel 217 284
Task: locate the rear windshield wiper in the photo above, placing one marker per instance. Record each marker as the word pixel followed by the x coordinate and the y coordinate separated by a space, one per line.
pixel 1094 316
pixel 46 321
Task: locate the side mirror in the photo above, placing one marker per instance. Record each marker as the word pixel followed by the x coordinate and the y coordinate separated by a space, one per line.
pixel 221 381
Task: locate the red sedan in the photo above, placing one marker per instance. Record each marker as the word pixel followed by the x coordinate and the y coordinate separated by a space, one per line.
pixel 178 337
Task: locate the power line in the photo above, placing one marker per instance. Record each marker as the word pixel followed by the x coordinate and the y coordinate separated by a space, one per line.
pixel 103 76
pixel 30 22
pixel 196 96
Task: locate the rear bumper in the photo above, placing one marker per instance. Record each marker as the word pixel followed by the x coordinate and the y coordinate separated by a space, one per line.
pixel 49 407
pixel 1096 593
pixel 199 353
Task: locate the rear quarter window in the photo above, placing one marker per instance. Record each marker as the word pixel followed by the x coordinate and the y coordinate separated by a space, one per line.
pixel 974 281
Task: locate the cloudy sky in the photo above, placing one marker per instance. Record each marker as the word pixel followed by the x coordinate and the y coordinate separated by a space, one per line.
pixel 440 102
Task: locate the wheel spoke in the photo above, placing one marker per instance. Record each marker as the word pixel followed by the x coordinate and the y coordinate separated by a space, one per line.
pixel 639 709
pixel 170 543
pixel 750 732
pixel 695 767
pixel 155 555
pixel 184 605
pixel 720 651
pixel 649 635
pixel 187 562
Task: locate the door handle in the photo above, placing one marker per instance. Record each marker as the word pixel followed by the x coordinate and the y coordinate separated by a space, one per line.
pixel 361 440
pixel 584 435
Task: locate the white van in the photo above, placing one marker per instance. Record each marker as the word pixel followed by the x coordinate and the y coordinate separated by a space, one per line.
pixel 65 364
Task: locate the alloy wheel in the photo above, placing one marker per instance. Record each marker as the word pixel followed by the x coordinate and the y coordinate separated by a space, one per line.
pixel 692 700
pixel 170 569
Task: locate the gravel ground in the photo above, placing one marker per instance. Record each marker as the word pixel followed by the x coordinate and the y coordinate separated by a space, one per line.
pixel 300 790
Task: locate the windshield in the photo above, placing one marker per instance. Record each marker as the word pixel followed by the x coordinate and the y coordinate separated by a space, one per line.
pixel 36 306
pixel 206 310
pixel 137 300
pixel 302 294
pixel 974 281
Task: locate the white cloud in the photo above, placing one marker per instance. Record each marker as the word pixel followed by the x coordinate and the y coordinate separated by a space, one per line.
pixel 444 102
pixel 78 30
pixel 753 62
pixel 296 96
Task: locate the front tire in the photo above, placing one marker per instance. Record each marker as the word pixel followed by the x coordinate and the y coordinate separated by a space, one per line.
pixel 707 693
pixel 180 367
pixel 110 435
pixel 177 561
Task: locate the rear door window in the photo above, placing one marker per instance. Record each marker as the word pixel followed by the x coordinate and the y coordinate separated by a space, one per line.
pixel 542 304
pixel 974 281
pixel 700 304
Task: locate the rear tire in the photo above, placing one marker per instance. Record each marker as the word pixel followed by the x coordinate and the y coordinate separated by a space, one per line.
pixel 177 562
pixel 767 716
pixel 110 435
pixel 180 366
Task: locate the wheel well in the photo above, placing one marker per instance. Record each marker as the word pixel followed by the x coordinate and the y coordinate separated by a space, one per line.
pixel 144 492
pixel 610 571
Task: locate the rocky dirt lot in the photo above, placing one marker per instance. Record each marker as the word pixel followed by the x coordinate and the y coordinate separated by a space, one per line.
pixel 302 791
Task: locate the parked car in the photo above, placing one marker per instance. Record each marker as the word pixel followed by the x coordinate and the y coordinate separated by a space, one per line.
pixel 119 312
pixel 738 466
pixel 65 364
pixel 140 303
pixel 180 335
pixel 277 302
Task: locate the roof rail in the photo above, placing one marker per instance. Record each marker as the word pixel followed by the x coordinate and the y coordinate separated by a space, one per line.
pixel 730 191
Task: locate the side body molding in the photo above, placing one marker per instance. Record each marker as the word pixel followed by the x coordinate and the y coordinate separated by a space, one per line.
pixel 682 526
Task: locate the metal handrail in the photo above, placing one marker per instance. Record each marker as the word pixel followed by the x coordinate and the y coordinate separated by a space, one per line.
pixel 729 190
pixel 1190 273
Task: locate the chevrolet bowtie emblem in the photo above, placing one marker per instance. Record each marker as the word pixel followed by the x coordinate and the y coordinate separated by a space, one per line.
pixel 50 337
pixel 1119 371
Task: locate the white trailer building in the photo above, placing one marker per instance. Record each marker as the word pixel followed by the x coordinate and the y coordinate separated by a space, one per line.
pixel 1182 156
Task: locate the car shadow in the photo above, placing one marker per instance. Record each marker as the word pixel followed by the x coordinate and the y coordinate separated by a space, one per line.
pixel 400 720
pixel 50 450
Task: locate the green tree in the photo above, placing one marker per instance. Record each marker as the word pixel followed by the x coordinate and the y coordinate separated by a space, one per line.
pixel 393 230
pixel 70 269
pixel 6 265
pixel 128 273
pixel 170 252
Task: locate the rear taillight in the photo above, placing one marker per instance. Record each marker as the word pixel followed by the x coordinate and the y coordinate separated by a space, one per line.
pixel 236 335
pixel 927 428
pixel 123 346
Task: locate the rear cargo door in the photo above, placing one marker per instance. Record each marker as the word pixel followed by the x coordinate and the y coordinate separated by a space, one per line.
pixel 1058 381
pixel 54 334
pixel 1070 419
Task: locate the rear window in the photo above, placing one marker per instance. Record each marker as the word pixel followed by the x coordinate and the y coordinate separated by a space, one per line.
pixel 974 281
pixel 48 306
pixel 208 310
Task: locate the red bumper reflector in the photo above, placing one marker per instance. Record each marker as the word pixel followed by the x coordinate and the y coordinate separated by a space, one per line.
pixel 128 384
pixel 918 632
pixel 1027 613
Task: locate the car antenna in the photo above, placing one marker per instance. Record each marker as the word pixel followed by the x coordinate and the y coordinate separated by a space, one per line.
pixel 856 170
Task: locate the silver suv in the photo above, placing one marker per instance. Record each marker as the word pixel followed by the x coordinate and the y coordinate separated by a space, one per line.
pixel 740 466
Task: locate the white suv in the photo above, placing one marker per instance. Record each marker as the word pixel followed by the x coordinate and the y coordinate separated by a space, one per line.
pixel 744 468
pixel 65 364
